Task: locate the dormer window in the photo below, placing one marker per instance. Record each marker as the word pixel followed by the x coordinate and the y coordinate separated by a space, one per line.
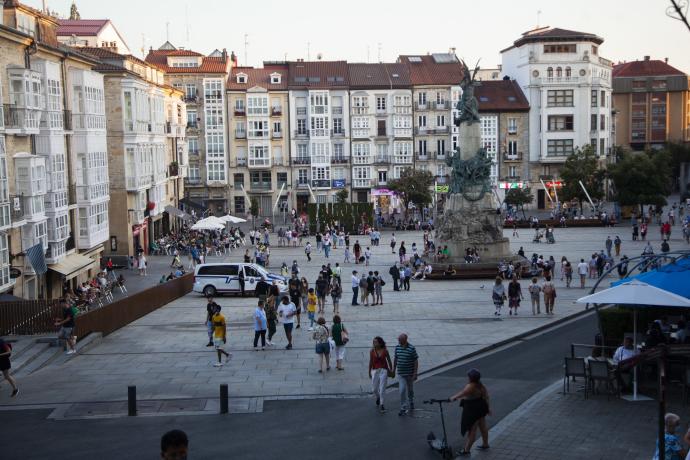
pixel 241 78
pixel 275 78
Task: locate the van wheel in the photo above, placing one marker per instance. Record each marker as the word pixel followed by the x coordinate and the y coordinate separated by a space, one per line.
pixel 209 291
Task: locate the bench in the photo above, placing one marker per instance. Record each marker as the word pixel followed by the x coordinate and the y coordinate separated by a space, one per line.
pixel 555 223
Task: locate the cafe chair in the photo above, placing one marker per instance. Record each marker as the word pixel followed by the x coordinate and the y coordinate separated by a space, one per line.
pixel 599 372
pixel 574 367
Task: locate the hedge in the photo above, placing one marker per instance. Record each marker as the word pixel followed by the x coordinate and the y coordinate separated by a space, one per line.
pixel 347 215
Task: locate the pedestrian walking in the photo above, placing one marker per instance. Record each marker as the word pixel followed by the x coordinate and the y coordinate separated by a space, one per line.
pixel 402 251
pixel 260 325
pixel 323 347
pixel 6 366
pixel 582 269
pixel 241 280
pixel 286 313
pixel 340 337
pixel 549 290
pixel 66 324
pixel 394 271
pixel 568 274
pixel 378 289
pixel 307 251
pixel 367 256
pixel 141 264
pixel 355 287
pixel 347 256
pixel 363 297
pixel 311 308
pixel 608 244
pixel 210 311
pixel 406 364
pixel 407 275
pixel 643 230
pixel 271 313
pixel 321 292
pixel 617 245
pixel 498 295
pixel 358 251
pixel 534 293
pixel 380 368
pixel 294 290
pixel 475 408
pixel 673 449
pixel 336 294
pixel 220 333
pixel 514 295
pixel 393 243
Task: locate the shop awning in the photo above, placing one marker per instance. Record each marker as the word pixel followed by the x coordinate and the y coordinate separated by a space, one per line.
pixel 173 211
pixel 72 265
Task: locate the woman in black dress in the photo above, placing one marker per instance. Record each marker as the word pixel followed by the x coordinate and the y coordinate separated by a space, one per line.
pixel 475 407
pixel 5 365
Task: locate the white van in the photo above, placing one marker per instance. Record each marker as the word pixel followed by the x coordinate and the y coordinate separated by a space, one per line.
pixel 222 278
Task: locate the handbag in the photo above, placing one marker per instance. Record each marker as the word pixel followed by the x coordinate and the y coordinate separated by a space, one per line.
pixel 331 343
pixel 383 283
pixel 344 336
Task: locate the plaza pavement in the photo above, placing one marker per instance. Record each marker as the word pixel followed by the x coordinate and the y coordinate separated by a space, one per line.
pixel 165 356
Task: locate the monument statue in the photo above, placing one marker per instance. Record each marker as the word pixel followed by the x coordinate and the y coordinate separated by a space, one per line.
pixel 470 218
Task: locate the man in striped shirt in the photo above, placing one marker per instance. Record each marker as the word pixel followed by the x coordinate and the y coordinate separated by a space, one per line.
pixel 406 363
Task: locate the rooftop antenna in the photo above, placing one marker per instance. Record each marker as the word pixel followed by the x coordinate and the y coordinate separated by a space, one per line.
pixel 368 60
pixel 167 31
pixel 246 43
pixel 143 45
pixel 379 51
pixel 186 14
pixel 308 51
pixel 45 6
pixel 538 17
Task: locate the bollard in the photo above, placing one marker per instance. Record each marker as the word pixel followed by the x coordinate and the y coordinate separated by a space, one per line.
pixel 224 398
pixel 132 401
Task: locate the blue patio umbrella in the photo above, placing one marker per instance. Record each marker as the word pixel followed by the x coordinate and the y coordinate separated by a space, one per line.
pixel 673 277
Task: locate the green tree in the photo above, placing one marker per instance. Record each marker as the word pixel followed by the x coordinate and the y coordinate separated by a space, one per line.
pixel 341 196
pixel 519 197
pixel 413 187
pixel 582 166
pixel 642 178
pixel 254 209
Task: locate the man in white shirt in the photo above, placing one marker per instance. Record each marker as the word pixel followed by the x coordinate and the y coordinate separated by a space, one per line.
pixel 626 351
pixel 286 313
pixel 355 287
pixel 582 269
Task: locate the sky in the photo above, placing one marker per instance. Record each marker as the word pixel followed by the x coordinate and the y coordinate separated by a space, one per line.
pixel 366 30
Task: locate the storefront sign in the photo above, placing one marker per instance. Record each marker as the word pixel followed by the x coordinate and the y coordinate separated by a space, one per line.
pixel 338 183
pixel 555 183
pixel 509 185
pixel 442 189
pixel 321 183
pixel 382 191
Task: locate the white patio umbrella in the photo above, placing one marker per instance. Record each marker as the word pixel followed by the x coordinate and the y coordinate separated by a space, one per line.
pixel 209 224
pixel 638 295
pixel 232 219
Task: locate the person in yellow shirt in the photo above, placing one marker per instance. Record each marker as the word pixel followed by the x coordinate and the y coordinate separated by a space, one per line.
pixel 219 336
pixel 311 307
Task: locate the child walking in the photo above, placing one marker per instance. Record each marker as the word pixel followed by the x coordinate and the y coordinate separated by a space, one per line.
pixel 498 295
pixel 311 308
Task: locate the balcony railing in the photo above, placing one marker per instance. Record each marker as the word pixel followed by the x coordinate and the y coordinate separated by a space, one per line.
pixel 361 159
pixel 194 152
pixel 301 161
pixel 337 110
pixel 191 99
pixel 420 107
pixel 339 160
pixel 240 134
pixel 259 162
pixel 276 111
pixel 441 130
pixel 423 130
pixel 319 132
pixel 338 132
pixel 361 183
pixel 382 159
pixel 262 186
pixel 192 125
pixel 277 134
pixel 301 110
pixel 556 80
pixel 381 133
pixel 21 118
pixel 240 111
pixel 422 157
pixel 302 184
pixel 512 156
pixel 16 207
pixel 87 121
pixel 301 134
pixel 440 105
pixel 241 162
pixel 137 182
pixel 192 180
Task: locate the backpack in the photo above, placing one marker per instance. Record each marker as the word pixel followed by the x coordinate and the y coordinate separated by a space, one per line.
pixel 548 288
pixel 363 282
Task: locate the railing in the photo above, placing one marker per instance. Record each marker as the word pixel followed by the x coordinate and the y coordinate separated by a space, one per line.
pixel 441 130
pixel 337 110
pixel 441 155
pixel 361 183
pixel 302 184
pixel 361 159
pixel 510 178
pixel 402 159
pixel 191 99
pixel 421 157
pixel 276 111
pixel 381 133
pixel 319 132
pixel 339 160
pixel 301 161
pixel 240 134
pixel 550 80
pixel 439 105
pixel 192 180
pixel 299 133
pixel 193 152
pixel 277 134
pixel 88 121
pixel 260 186
pixel 28 317
pixel 512 156
pixel 422 130
pixel 192 125
pixel 241 162
pixel 418 106
pixel 240 111
pixel 338 132
pixel 136 182
pixel 17 207
pixel 382 159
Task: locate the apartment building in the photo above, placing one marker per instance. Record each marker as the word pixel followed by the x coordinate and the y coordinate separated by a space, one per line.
pixel 92 33
pixel 652 101
pixel 568 87
pixel 144 133
pixel 53 158
pixel 259 138
pixel 381 134
pixel 319 127
pixel 435 79
pixel 203 80
pixel 504 118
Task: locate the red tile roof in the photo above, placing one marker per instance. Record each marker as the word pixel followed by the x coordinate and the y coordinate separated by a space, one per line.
pixel 259 77
pixel 159 58
pixel 106 53
pixel 80 27
pixel 556 34
pixel 500 96
pixel 645 68
pixel 318 74
pixel 437 69
pixel 382 76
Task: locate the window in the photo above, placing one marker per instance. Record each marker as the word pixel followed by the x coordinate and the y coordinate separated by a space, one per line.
pixel 191 117
pixel 238 180
pixel 549 72
pixel 559 72
pixel 260 179
pixel 602 122
pixel 301 126
pixel 398 170
pixel 190 91
pixel 560 48
pixel 338 126
pixel 257 106
pixel 421 148
pixel 323 173
pixel 241 78
pixel 380 103
pixel 338 152
pixel 422 121
pixel 239 106
pixel 512 148
pixel 512 171
pixel 559 147
pixel 560 122
pixel 275 78
pixel 302 176
pixel 258 155
pixel 281 178
pixel 258 128
pixel 560 98
pixel 277 127
pixel 338 173
pixel 593 122
pixel 194 174
pixel 193 145
pixel 402 152
pixel 421 97
pixel 441 146
pixel 239 205
pixel 595 50
pixel 568 72
pixel 602 146
pixel 602 98
pixel 440 98
pixel 383 175
pixel 440 121
pixel 594 98
pixel 512 125
pixel 360 153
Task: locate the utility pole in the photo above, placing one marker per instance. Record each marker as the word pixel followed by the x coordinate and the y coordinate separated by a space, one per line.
pixel 167 31
pixel 538 17
pixel 379 52
pixel 246 44
pixel 308 51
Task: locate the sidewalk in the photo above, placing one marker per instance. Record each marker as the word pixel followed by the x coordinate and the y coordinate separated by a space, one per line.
pixel 553 425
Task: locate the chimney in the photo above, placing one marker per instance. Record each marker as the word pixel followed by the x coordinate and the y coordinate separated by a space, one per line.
pixel 666 60
pixel 646 58
pixel 224 54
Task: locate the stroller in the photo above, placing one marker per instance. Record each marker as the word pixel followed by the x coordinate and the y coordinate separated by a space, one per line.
pixel 550 239
pixel 537 237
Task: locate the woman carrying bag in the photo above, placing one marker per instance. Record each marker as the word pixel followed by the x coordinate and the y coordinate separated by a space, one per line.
pixel 475 408
pixel 380 368
pixel 340 337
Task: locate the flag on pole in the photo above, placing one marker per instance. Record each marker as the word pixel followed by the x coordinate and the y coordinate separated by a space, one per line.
pixel 37 258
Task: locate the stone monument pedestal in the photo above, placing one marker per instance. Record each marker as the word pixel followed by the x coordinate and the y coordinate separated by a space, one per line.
pixel 472 224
